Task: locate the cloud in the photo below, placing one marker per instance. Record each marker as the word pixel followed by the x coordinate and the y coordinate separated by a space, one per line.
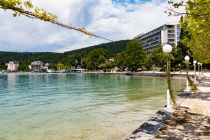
pixel 116 20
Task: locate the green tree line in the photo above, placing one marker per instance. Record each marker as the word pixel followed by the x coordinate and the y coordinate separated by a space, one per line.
pixel 124 55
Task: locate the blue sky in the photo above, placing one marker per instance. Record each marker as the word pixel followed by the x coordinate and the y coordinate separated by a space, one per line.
pixel 124 1
pixel 114 19
pixel 129 1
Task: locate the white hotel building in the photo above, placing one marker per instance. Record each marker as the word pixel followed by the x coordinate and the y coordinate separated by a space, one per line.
pixel 167 33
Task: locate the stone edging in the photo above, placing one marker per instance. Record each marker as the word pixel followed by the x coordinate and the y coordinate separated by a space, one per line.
pixel 148 129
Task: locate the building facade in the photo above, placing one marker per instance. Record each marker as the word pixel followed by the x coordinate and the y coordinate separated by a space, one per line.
pixel 12 66
pixel 168 33
pixel 36 66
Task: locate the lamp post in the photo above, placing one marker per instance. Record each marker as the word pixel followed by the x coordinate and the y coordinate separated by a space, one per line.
pixel 201 69
pixel 194 63
pixel 199 72
pixel 180 68
pixel 153 68
pixel 167 49
pixel 187 58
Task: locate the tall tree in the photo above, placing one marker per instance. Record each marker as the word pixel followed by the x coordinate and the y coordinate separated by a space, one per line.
pixel 107 65
pixel 196 23
pixel 181 50
pixel 135 55
pixel 60 66
pixel 120 61
pixel 3 66
pixel 69 61
pixel 95 58
pixel 157 57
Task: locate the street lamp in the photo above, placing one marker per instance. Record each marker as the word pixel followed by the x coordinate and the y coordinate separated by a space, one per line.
pixel 153 68
pixel 187 58
pixel 180 68
pixel 199 68
pixel 194 63
pixel 167 49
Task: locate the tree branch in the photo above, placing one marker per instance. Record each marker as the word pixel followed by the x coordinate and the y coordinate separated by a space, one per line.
pixel 33 16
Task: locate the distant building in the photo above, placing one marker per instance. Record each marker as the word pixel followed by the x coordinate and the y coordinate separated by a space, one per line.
pixel 36 66
pixel 12 66
pixel 111 59
pixel 46 67
pixel 168 33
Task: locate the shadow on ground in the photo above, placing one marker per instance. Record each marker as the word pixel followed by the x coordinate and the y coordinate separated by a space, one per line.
pixel 185 125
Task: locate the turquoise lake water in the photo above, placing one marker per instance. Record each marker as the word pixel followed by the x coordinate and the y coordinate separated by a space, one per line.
pixel 77 106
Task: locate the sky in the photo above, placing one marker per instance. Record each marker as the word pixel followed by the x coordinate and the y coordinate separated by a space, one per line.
pixel 113 19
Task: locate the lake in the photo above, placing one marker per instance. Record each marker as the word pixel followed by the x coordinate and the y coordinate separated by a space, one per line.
pixel 77 106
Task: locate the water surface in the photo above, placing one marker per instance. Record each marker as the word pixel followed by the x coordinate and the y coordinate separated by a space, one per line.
pixel 77 106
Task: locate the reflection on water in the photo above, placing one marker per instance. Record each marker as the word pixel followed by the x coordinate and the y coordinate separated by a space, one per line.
pixel 77 106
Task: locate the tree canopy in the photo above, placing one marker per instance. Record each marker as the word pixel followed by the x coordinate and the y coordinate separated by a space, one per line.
pixel 157 57
pixel 120 61
pixel 95 58
pixel 135 55
pixel 196 23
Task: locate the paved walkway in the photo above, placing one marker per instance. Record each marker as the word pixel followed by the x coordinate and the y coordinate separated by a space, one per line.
pixel 190 122
pixel 199 103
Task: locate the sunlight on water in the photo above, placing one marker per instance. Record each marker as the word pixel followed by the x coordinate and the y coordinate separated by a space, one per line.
pixel 77 106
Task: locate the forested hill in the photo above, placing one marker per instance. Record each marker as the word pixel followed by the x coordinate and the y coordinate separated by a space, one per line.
pixel 112 47
pixel 29 56
pixel 49 57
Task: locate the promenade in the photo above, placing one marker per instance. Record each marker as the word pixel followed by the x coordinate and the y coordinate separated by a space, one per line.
pixel 190 121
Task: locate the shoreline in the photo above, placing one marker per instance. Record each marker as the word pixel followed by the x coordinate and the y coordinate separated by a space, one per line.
pixel 144 73
pixel 160 118
pixel 168 124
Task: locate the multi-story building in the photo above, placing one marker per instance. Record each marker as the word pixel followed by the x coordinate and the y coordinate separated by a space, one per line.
pixel 167 33
pixel 36 66
pixel 12 66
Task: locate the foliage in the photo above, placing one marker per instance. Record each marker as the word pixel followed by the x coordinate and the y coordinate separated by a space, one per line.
pixel 60 66
pixel 46 57
pixel 192 84
pixel 3 66
pixel 95 58
pixel 52 66
pixel 181 51
pixel 108 65
pixel 148 63
pixel 113 47
pixel 196 23
pixel 26 8
pixel 157 57
pixel 135 55
pixel 120 61
pixel 67 58
pixel 69 61
pixel 23 66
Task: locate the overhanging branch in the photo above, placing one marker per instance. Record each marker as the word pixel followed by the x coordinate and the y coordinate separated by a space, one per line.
pixel 33 16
